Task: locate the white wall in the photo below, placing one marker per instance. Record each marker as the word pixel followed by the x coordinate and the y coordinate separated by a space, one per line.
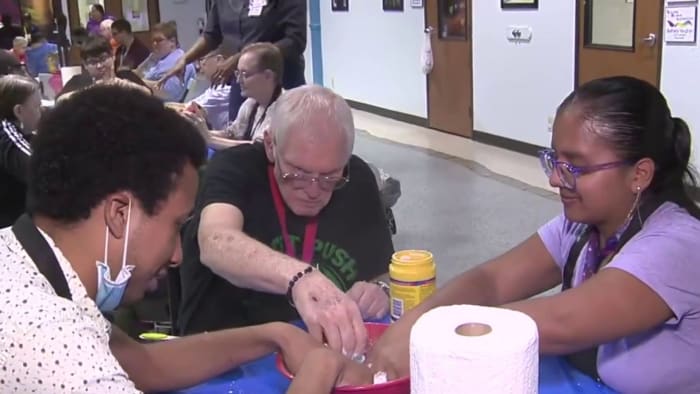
pixel 517 87
pixel 372 56
pixel 309 69
pixel 680 84
pixel 185 14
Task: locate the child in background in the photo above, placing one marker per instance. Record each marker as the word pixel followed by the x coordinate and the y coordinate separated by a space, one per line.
pixel 19 49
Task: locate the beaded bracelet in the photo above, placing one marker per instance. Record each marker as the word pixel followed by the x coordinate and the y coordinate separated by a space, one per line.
pixel 294 280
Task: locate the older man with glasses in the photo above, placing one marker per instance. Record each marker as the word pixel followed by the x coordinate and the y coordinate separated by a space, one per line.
pixel 290 227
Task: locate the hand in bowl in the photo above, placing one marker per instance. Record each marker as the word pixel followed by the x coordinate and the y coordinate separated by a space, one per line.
pixel 337 371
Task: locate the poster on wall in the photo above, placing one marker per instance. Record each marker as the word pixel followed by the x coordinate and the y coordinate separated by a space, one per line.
pixel 340 5
pixel 136 12
pixel 392 5
pixel 417 3
pixel 680 26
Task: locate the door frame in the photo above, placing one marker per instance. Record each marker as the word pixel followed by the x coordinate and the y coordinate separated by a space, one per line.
pixel 470 35
pixel 579 36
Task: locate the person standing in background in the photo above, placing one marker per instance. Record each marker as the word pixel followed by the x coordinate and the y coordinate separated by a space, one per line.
pixel 42 56
pixel 242 22
pixel 96 16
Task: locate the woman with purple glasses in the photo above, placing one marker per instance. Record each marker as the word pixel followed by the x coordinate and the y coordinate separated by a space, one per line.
pixel 625 249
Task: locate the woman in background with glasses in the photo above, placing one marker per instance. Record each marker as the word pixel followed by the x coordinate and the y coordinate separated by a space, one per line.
pixel 625 249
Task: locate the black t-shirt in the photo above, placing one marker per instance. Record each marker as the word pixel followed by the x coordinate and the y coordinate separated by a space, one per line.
pixel 353 242
pixel 14 163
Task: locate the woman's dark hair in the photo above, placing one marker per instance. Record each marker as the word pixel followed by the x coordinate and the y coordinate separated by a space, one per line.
pixel 14 90
pixel 99 8
pixel 632 116
pixel 107 139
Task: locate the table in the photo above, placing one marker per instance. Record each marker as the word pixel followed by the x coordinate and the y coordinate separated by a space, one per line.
pixel 262 377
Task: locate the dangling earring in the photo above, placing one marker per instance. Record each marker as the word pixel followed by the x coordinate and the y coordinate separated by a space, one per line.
pixel 635 206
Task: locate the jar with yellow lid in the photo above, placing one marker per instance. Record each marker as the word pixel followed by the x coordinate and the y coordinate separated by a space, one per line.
pixel 412 275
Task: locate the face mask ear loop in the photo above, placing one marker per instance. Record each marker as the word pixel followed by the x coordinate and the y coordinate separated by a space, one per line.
pixel 106 244
pixel 126 241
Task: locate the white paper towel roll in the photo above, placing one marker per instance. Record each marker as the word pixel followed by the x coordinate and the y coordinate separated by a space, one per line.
pixel 474 349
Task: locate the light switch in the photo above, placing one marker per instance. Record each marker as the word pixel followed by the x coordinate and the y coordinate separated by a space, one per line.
pixel 519 33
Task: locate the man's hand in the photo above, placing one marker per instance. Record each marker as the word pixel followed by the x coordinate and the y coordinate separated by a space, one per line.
pixel 330 314
pixel 371 299
pixel 177 70
pixel 225 71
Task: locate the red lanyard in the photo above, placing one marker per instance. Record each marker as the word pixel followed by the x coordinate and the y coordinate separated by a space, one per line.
pixel 310 231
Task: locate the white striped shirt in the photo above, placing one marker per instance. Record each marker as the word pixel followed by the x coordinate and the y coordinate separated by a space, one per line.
pixel 16 136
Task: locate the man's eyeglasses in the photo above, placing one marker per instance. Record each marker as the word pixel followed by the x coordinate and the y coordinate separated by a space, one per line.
pixel 244 74
pixel 299 180
pixel 567 172
pixel 94 62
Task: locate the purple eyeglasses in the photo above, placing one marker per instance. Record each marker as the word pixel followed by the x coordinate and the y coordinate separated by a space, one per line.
pixel 568 172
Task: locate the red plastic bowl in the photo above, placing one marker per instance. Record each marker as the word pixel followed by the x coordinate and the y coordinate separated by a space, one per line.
pixel 397 386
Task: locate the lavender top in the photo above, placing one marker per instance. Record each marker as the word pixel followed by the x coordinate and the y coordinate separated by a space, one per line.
pixel 665 256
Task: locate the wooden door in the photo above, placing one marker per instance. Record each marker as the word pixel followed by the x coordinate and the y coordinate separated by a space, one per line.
pixel 619 37
pixel 450 81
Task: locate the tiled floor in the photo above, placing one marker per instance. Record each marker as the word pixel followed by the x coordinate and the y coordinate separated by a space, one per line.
pixel 521 167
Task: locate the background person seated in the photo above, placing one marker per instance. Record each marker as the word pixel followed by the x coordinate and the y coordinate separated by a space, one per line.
pixel 165 53
pixel 268 212
pixel 98 61
pixel 10 65
pixel 131 52
pixel 106 32
pixel 259 74
pixel 213 101
pixel 19 49
pixel 20 110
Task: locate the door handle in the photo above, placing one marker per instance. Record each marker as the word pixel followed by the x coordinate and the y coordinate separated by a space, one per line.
pixel 650 40
pixel 429 29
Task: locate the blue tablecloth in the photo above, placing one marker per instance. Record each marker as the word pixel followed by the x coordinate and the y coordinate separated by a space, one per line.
pixel 262 377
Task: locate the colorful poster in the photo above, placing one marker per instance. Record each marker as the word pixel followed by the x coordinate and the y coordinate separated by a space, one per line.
pixel 680 25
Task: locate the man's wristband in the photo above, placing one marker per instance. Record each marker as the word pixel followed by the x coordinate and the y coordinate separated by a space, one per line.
pixel 294 280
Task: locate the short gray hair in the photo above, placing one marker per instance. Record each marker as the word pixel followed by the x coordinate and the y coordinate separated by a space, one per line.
pixel 299 105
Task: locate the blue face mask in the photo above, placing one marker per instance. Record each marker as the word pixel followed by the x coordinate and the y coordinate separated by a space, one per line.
pixel 110 292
